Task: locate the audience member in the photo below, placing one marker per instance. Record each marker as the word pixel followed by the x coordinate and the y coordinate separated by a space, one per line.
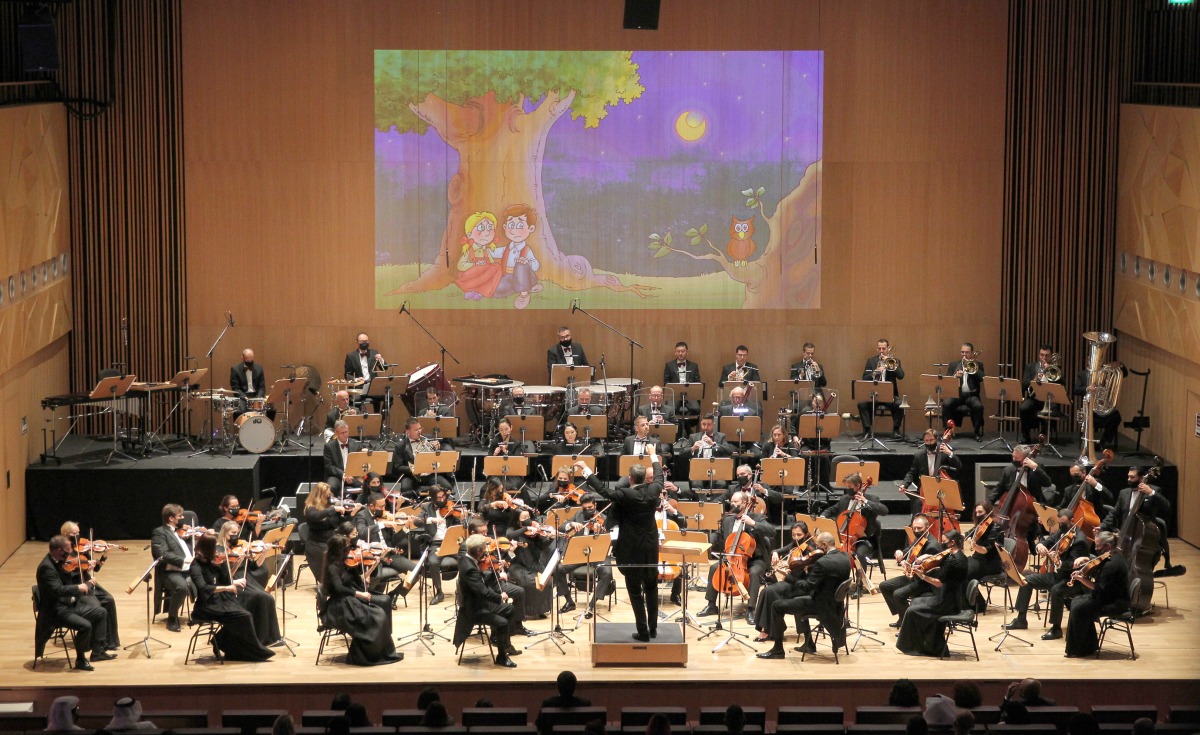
pixel 916 725
pixel 735 719
pixel 428 696
pixel 356 712
pixel 659 724
pixel 595 727
pixel 340 702
pixel 127 715
pixel 1030 693
pixel 284 725
pixel 964 722
pixel 940 712
pixel 1015 713
pixel 566 693
pixel 436 715
pixel 1143 726
pixel 904 694
pixel 63 712
pixel 339 725
pixel 967 695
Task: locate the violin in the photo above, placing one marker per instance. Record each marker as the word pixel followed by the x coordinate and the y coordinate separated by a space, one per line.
pixel 914 552
pixel 800 559
pixel 78 563
pixel 929 563
pixel 186 532
pixel 572 494
pixel 450 510
pixel 535 529
pixel 85 546
pixel 1086 570
pixel 492 562
pixel 980 529
pixel 852 524
pixel 1054 558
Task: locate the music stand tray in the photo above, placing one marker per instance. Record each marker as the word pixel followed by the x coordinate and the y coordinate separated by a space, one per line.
pixel 439 427
pixel 591 427
pixel 710 469
pixel 368 461
pixel 443 461
pixel 188 378
pixel 934 489
pixel 365 424
pixel 817 524
pixel 452 540
pixel 628 460
pixel 940 386
pixel 819 425
pixel 562 376
pixel 530 428
pixel 741 427
pixel 706 513
pixel 665 433
pixel 514 466
pixel 777 471
pixel 867 469
pixel 380 384
pixel 569 460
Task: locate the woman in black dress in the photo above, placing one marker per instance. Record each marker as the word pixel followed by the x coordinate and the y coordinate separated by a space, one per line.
pixel 216 599
pixel 254 597
pixel 920 632
pixel 367 618
pixel 985 561
pixel 322 517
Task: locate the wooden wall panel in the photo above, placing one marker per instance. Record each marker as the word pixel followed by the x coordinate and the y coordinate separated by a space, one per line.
pixel 280 214
pixel 1157 306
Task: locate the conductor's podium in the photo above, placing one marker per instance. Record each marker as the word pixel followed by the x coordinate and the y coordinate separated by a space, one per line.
pixel 613 645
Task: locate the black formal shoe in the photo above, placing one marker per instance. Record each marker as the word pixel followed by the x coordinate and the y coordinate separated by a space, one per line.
pixel 525 631
pixel 654 632
pixel 506 662
pixel 82 664
pixel 1053 634
pixel 587 614
pixel 762 638
pixel 173 626
pixel 675 600
pixel 1177 570
pixel 643 637
pixel 897 436
pixel 806 648
pixel 708 610
pixel 567 607
pixel 512 651
pixel 1017 624
pixel 979 436
pixel 894 624
pixel 438 599
pixel 112 648
pixel 102 656
pixel 396 656
pixel 776 652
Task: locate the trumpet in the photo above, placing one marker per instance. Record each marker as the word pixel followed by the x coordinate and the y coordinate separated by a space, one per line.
pixel 812 370
pixel 971 366
pixel 738 374
pixel 350 411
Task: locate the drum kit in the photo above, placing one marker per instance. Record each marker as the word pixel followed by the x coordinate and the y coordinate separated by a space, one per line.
pixel 251 428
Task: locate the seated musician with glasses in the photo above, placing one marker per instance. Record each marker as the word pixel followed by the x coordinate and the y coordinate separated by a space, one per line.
pixel 968 402
pixel 655 409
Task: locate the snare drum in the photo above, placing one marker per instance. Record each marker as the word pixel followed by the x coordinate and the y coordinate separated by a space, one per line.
pixel 548 399
pixel 256 404
pixel 255 432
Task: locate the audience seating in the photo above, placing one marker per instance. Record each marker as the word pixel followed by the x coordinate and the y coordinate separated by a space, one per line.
pixel 640 716
pixel 550 718
pixel 884 715
pixel 986 715
pixel 402 717
pixel 716 730
pixel 811 715
pixel 822 728
pixel 1057 716
pixel 494 716
pixel 1045 728
pixel 1174 728
pixel 318 717
pixel 22 721
pixel 1123 713
pixel 716 716
pixel 418 730
pixel 164 719
pixel 249 720
pixel 1183 713
pixel 503 730
pixel 885 729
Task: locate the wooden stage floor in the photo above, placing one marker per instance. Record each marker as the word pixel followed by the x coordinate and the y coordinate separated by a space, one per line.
pixel 1168 646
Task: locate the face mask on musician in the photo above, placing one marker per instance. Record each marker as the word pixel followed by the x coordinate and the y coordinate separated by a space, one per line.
pixel 564 483
pixel 378 512
pixel 364 345
pixel 931 448
pixel 518 400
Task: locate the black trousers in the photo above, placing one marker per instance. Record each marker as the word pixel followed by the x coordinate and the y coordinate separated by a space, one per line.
pixel 88 621
pixel 963 406
pixel 642 585
pixel 864 411
pixel 178 588
pixel 899 591
pixel 1059 592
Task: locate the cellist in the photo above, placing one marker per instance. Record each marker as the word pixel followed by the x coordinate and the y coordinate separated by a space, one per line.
pixel 742 520
pixel 930 460
pixel 1063 546
pixel 857 501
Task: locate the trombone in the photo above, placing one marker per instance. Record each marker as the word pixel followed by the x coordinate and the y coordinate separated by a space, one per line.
pixel 889 362
pixel 970 366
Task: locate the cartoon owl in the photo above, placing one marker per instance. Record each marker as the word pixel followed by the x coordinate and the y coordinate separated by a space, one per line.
pixel 740 246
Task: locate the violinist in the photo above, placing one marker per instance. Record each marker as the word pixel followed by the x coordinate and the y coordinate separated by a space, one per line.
pixel 920 632
pixel 636 551
pixel 788 587
pixel 585 522
pixel 815 595
pixel 480 604
pixel 985 536
pixel 1108 594
pixel 345 603
pixel 933 457
pixel 1053 580
pixel 640 442
pixel 655 409
pixel 374 525
pixel 744 482
pixel 1036 373
pixel 498 508
pixel 322 515
pixel 564 491
pixel 1155 507
pixel 253 596
pixel 337 451
pixel 437 513
pixel 112 641
pixel 858 501
pixel 741 519
pixel 405 458
pixel 65 600
pixel 501 581
pixel 529 549
pixel 967 403
pixel 216 600
pixel 899 591
pixel 572 444
pixel 173 572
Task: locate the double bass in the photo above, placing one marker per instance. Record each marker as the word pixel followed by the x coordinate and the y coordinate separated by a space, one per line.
pixel 1015 513
pixel 1140 542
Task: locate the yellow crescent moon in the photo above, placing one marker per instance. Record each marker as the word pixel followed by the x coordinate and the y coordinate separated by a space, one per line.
pixel 690 126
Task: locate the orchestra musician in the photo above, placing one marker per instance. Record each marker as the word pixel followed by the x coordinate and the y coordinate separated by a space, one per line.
pixel 337 474
pixel 248 381
pixel 341 408
pixel 741 369
pixel 372 524
pixel 253 596
pixel 1155 506
pixel 564 493
pixel 899 591
pixel 921 634
pixel 809 369
pixel 743 482
pixel 737 404
pixel 666 514
pixel 1051 580
pixel 930 459
pixel 500 581
pixel 516 405
pixel 636 550
pixel 438 512
pixel 498 509
pixel 968 402
pixel 585 522
pixel 504 444
pixel 322 514
pixel 1023 472
pixel 815 595
pixel 480 603
pixel 640 442
pixel 876 369
pixel 405 459
pixel 65 600
pixel 173 572
pixel 1095 493
pixel 777 445
pixel 1107 424
pixel 655 409
pixel 1037 372
pixel 868 504
pixel 529 552
pixel 985 560
pixel 565 352
pixel 583 405
pixel 112 641
pixel 434 407
pixel 216 600
pixel 683 370
pixel 783 589
pixel 1108 594
pixel 345 604
pixel 572 444
pixel 741 519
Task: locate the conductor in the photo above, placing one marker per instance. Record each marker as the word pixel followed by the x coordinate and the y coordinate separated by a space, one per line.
pixel 637 546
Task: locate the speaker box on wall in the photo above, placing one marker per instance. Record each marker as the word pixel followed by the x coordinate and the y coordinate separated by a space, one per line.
pixel 641 15
pixel 39 46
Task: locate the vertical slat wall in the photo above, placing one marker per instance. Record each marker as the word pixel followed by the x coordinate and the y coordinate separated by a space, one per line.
pixel 1068 71
pixel 126 186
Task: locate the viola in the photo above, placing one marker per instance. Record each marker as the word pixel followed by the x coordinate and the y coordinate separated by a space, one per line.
pixel 85 546
pixel 1016 513
pixel 1089 568
pixel 852 524
pixel 77 563
pixel 572 494
pixel 914 552
pixel 799 561
pixel 1054 559
pixel 535 529
pixel 1082 511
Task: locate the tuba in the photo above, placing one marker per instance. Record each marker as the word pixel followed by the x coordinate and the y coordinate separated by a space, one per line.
pixel 1104 387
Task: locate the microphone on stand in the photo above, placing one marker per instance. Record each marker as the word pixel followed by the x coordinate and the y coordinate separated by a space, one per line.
pixel 574 305
pixel 404 308
pixel 229 316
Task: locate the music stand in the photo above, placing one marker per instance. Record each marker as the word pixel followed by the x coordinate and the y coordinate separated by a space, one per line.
pixel 111 389
pixel 439 427
pixel 683 412
pixel 941 387
pixel 145 579
pixel 285 392
pixel 1050 393
pixel 742 427
pixel 710 470
pixel 544 577
pixel 781 472
pixel 1010 568
pixel 381 390
pixel 801 393
pixel 684 544
pixel 558 516
pixel 568 376
pixel 505 467
pixel 817 524
pixel 628 460
pixel 532 428
pixel 185 379
pixel 817 426
pixel 867 469
pixel 364 425
pixel 706 513
pixel 881 391
pixel 590 427
pixel 665 433
pixel 587 550
pixel 442 461
pixel 944 494
pixel 370 460
pixel 1006 391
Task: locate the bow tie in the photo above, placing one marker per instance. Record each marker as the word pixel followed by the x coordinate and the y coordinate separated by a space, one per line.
pixel 345 446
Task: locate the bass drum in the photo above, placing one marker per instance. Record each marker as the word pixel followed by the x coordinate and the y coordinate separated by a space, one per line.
pixel 255 432
pixel 421 380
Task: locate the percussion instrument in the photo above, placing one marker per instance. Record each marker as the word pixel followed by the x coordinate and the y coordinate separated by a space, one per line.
pixel 421 380
pixel 548 398
pixel 255 432
pixel 611 394
pixel 258 404
pixel 631 385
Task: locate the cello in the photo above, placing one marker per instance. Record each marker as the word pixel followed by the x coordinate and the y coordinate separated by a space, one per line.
pixel 851 523
pixel 733 574
pixel 1140 542
pixel 943 519
pixel 1081 510
pixel 1016 513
